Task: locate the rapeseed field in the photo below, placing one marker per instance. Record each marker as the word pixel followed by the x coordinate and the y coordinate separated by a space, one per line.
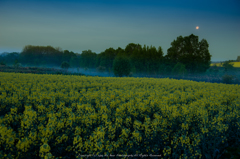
pixel 235 64
pixel 54 116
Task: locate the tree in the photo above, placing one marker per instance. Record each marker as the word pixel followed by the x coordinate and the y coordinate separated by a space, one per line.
pixel 9 58
pixel 130 48
pixel 65 65
pixel 88 59
pixel 179 69
pixel 153 58
pixel 30 54
pixel 74 62
pixel 238 58
pixel 68 55
pixel 121 66
pixel 119 49
pixel 109 56
pixel 193 54
pixel 227 66
pixel 137 60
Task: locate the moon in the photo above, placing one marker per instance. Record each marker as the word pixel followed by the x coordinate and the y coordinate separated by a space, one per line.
pixel 197 27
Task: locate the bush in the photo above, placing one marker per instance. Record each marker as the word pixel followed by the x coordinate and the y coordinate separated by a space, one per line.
pixel 101 69
pixel 227 66
pixel 65 65
pixel 228 79
pixel 121 66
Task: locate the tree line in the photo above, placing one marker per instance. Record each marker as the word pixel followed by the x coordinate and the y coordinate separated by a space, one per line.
pixel 186 54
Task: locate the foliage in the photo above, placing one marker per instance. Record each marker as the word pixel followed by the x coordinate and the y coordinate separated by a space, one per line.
pixel 228 79
pixel 214 69
pixel 193 54
pixel 9 58
pixel 238 58
pixel 88 59
pixel 228 66
pixel 121 66
pixel 3 63
pixel 67 55
pixel 179 69
pixel 65 65
pixel 147 59
pixel 130 48
pixel 31 53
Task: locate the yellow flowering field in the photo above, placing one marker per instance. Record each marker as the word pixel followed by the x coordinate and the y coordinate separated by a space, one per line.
pixel 52 116
pixel 235 64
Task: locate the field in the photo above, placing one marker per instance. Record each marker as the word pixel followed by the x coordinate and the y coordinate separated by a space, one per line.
pixel 235 64
pixel 67 115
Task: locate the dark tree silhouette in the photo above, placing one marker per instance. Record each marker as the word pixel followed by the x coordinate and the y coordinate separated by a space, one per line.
pixel 88 59
pixel 193 54
pixel 121 66
pixel 65 65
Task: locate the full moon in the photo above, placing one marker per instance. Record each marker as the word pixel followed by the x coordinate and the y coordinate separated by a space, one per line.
pixel 197 27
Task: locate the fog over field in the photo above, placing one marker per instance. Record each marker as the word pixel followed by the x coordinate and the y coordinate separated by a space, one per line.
pixel 90 72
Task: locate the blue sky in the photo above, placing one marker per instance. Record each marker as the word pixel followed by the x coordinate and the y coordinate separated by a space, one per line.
pixel 97 25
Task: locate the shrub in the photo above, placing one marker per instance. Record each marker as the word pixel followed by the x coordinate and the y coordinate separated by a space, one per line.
pixel 227 66
pixel 121 66
pixel 228 79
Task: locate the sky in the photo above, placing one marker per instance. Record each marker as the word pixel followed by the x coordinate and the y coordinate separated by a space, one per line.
pixel 78 25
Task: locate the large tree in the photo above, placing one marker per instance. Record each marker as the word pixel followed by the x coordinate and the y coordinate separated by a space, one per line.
pixel 88 59
pixel 130 48
pixel 146 59
pixel 121 66
pixel 37 55
pixel 10 58
pixel 67 55
pixel 109 56
pixel 188 51
pixel 238 58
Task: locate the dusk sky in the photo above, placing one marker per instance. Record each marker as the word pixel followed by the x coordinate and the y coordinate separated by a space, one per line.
pixel 97 25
